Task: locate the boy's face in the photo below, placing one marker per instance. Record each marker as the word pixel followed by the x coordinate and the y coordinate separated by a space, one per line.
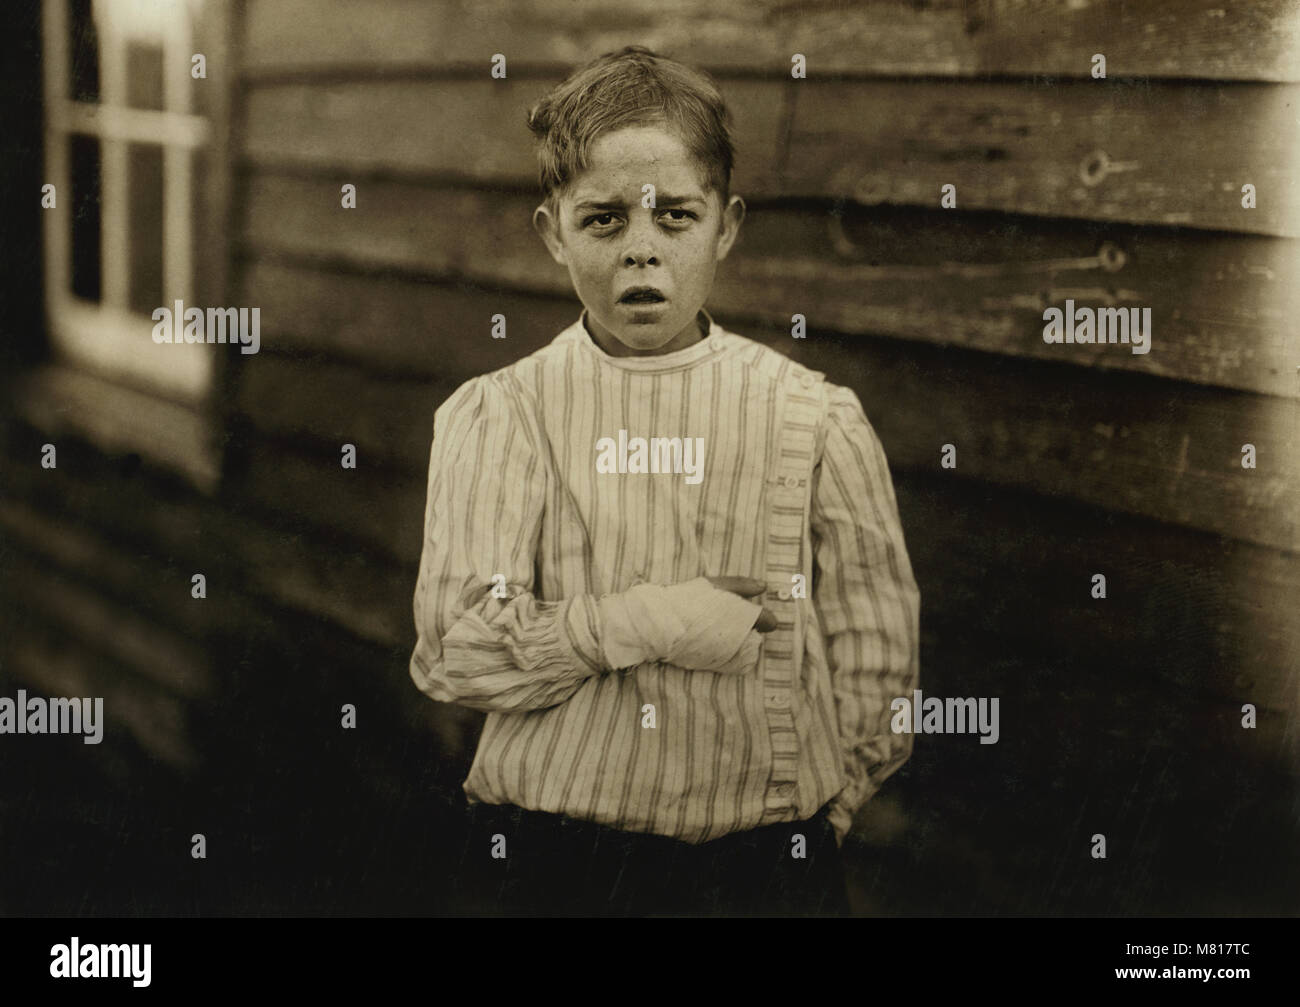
pixel 643 272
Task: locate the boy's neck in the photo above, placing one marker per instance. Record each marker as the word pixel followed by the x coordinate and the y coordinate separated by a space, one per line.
pixel 617 349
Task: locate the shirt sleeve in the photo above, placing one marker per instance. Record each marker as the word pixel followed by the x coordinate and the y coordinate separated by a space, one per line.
pixel 484 640
pixel 868 601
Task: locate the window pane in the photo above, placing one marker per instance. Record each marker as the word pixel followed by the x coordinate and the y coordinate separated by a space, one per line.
pixel 145 222
pixel 144 75
pixel 137 29
pixel 85 166
pixel 84 44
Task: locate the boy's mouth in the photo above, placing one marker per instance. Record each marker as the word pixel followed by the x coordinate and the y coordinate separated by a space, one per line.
pixel 642 295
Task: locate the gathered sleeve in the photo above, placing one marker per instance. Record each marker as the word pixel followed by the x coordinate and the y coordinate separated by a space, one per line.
pixel 484 640
pixel 867 599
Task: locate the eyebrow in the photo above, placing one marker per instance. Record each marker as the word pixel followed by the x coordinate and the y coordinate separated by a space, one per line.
pixel 661 202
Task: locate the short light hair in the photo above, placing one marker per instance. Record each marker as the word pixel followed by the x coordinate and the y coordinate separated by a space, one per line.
pixel 631 87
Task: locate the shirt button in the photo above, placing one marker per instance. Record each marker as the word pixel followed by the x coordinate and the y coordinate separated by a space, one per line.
pixel 790 482
pixel 807 380
pixel 783 594
pixel 779 700
pixel 715 343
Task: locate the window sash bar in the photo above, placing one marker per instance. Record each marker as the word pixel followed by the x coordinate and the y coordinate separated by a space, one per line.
pixel 140 125
pixel 115 255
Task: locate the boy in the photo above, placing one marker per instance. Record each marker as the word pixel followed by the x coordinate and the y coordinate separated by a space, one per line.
pixel 599 513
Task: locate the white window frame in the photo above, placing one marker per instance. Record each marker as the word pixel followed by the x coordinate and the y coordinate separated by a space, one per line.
pixel 107 337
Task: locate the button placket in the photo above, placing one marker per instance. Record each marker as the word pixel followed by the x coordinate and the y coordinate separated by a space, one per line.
pixel 785 535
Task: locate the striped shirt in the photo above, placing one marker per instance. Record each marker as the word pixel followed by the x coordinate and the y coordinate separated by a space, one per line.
pixel 523 534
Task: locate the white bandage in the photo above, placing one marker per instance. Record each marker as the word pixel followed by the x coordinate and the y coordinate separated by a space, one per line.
pixel 693 625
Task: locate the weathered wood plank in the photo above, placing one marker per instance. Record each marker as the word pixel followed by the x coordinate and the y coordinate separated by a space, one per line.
pixel 1178 153
pixel 1121 442
pixel 1017 146
pixel 460 129
pixel 1168 38
pixel 390 324
pixel 55 666
pixel 1085 721
pixel 1223 307
pixel 384 511
pixel 389 421
pixel 138 541
pixel 173 663
pixel 67 401
pixel 281 563
pixel 158 588
pixel 1198 613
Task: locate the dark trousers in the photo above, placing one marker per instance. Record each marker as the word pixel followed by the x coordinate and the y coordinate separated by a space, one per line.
pixel 559 866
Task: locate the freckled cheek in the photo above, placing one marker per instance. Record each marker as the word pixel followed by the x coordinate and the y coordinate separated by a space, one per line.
pixel 697 267
pixel 592 271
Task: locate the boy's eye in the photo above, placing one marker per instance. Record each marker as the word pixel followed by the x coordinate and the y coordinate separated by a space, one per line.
pixel 599 219
pixel 681 216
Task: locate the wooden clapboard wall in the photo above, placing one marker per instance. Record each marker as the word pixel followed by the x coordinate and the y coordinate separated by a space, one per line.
pixel 1071 460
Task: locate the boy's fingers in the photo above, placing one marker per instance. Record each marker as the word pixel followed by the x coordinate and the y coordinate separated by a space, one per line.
pixel 746 587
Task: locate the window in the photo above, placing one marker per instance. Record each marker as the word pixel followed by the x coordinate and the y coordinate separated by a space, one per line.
pixel 129 147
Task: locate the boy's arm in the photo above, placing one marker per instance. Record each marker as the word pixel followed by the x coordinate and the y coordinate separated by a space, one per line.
pixel 867 600
pixel 482 522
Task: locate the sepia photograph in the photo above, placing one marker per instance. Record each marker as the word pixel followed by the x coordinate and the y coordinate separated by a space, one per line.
pixel 592 459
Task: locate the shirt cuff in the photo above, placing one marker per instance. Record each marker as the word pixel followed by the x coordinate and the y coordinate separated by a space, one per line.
pixel 581 630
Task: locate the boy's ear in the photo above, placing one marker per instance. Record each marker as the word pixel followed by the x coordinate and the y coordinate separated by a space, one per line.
pixel 548 229
pixel 732 215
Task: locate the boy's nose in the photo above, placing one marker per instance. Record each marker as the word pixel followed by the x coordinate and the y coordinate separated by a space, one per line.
pixel 640 257
pixel 640 245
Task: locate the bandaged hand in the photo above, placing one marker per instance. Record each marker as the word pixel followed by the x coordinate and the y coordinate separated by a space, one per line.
pixel 693 625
